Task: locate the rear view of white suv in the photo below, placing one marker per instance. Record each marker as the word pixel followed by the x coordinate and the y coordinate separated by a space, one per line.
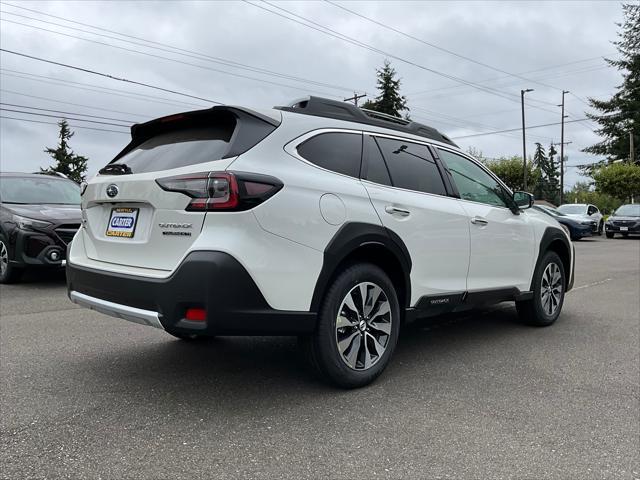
pixel 317 219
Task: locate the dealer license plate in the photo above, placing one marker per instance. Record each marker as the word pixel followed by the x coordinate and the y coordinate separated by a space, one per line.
pixel 122 222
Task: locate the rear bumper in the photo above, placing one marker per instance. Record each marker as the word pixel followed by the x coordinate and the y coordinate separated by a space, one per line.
pixel 214 281
pixel 132 314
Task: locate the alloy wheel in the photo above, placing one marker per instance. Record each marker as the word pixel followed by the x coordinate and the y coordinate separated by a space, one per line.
pixel 551 289
pixel 363 326
pixel 4 258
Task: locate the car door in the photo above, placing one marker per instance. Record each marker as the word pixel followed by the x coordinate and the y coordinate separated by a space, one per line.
pixel 407 190
pixel 594 214
pixel 502 242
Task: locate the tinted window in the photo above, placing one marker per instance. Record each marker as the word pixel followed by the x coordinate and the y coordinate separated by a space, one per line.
pixel 338 152
pixel 192 138
pixel 411 166
pixel 376 170
pixel 474 184
pixel 39 190
pixel 178 149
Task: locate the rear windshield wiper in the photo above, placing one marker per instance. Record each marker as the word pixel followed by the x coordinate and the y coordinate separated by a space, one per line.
pixel 116 169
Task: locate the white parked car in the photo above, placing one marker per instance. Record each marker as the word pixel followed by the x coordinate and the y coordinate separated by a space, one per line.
pixel 587 215
pixel 318 219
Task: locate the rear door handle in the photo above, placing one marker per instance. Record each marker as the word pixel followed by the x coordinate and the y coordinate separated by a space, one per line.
pixel 390 209
pixel 479 221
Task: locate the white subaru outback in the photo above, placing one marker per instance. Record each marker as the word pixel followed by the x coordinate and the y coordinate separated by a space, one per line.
pixel 318 219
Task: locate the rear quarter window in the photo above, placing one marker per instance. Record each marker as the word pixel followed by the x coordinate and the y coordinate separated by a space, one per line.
pixel 335 151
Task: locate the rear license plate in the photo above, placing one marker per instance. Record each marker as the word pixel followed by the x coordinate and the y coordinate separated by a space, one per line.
pixel 624 229
pixel 122 222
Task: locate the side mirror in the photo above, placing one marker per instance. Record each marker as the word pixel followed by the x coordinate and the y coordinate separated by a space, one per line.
pixel 523 200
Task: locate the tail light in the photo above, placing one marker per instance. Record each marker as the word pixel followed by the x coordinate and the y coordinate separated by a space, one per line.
pixel 222 191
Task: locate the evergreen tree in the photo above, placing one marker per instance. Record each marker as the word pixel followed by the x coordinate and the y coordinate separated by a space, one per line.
pixel 552 193
pixel 389 100
pixel 547 186
pixel 67 162
pixel 620 115
pixel 540 162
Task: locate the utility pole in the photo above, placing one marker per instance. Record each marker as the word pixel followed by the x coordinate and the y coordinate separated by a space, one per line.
pixel 524 141
pixel 562 149
pixel 632 157
pixel 355 98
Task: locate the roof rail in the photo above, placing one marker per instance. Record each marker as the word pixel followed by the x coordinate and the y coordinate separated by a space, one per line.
pixel 325 107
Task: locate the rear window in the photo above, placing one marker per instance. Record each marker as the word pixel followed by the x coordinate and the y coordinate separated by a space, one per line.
pixel 191 138
pixel 178 149
pixel 338 152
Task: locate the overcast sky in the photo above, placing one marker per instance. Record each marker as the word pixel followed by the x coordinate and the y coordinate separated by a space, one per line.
pixel 549 46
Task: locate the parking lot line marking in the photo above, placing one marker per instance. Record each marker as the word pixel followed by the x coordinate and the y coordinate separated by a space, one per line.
pixel 594 284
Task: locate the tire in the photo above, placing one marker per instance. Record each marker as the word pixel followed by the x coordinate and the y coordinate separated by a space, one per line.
pixel 351 350
pixel 609 234
pixel 537 311
pixel 8 273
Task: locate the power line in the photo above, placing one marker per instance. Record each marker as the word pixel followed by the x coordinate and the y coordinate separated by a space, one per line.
pixel 458 87
pixel 162 57
pixel 518 129
pixel 53 100
pixel 493 79
pixel 169 48
pixel 333 33
pixel 58 116
pixel 54 123
pixel 68 113
pixel 437 47
pixel 97 88
pixel 463 123
pixel 106 75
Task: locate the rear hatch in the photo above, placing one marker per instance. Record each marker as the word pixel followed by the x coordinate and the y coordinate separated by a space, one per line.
pixel 129 218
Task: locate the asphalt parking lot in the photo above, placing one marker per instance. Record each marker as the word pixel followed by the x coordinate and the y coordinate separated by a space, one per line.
pixel 474 395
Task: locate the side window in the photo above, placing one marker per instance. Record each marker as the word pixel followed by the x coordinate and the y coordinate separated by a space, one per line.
pixel 474 184
pixel 375 169
pixel 411 166
pixel 338 152
pixel 591 210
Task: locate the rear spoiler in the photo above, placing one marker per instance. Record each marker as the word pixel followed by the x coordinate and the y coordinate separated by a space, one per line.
pixel 250 127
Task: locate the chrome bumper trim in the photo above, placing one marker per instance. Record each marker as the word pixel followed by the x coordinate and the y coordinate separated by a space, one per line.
pixel 132 314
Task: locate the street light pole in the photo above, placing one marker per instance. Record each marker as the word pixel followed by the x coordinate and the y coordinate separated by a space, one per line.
pixel 562 150
pixel 524 141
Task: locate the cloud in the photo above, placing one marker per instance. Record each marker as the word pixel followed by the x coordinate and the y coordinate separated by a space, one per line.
pixel 558 44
